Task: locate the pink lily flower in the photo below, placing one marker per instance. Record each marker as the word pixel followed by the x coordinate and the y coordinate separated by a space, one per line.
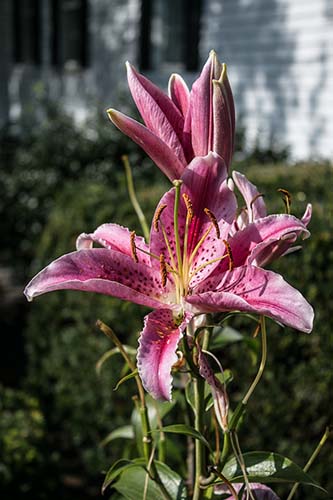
pixel 261 491
pixel 255 209
pixel 191 266
pixel 184 124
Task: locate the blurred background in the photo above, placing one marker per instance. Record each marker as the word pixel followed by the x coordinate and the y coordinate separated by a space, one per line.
pixel 62 66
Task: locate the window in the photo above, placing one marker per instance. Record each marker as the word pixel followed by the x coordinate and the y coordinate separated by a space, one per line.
pixel 26 31
pixel 170 34
pixel 69 32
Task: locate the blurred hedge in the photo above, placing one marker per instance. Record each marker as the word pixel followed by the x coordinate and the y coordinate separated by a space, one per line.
pixel 57 181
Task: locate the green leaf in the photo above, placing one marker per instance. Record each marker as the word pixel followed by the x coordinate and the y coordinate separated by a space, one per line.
pixel 111 352
pixel 117 468
pixel 127 377
pixel 125 432
pixel 265 466
pixel 134 483
pixel 186 430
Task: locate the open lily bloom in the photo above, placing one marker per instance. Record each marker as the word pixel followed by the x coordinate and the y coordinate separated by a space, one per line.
pixel 184 124
pixel 191 266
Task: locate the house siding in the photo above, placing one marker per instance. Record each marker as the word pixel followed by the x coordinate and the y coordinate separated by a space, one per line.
pixel 280 61
pixel 279 55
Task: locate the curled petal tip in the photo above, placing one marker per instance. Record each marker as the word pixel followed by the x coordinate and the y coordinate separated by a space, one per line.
pixel 28 295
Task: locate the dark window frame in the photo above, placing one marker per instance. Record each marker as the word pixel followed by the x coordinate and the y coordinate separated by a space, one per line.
pixel 57 34
pixel 190 57
pixel 27 28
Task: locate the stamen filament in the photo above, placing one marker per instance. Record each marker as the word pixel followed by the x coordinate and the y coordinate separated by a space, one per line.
pixel 177 184
pixel 189 217
pixel 198 245
pixel 197 269
pixel 286 199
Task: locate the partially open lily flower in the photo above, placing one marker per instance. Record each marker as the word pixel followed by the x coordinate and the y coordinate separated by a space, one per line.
pixel 261 491
pixel 184 124
pixel 193 265
pixel 254 210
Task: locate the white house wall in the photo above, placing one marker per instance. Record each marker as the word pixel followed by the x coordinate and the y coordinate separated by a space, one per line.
pixel 280 60
pixel 279 55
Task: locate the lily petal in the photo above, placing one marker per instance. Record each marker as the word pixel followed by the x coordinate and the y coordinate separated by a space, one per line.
pixel 102 271
pixel 223 117
pixel 261 491
pixel 179 93
pixel 201 106
pixel 252 289
pixel 158 111
pixel 248 244
pixel 114 237
pixel 161 154
pixel 307 214
pixel 255 204
pixel 157 351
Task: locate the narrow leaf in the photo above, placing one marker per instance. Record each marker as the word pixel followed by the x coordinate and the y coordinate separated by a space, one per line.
pixel 125 432
pixel 124 379
pixel 268 467
pixel 186 430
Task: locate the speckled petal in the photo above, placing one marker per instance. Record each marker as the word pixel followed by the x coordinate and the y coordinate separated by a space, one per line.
pixel 114 237
pixel 251 289
pixel 102 271
pixel 157 351
pixel 204 182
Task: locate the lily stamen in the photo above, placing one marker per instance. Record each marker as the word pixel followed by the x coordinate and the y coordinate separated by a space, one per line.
pixel 163 270
pixel 229 254
pixel 157 217
pixel 286 199
pixel 213 220
pixel 189 206
pixel 133 247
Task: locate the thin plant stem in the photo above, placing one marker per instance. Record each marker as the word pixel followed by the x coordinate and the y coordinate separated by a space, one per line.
pixel 311 459
pixel 133 198
pixel 239 457
pixel 199 386
pixel 142 409
pixel 199 404
pixel 262 362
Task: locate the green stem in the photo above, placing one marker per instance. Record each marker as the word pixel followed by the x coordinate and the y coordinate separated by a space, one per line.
pixel 133 198
pixel 311 459
pixel 199 386
pixel 142 410
pixel 262 362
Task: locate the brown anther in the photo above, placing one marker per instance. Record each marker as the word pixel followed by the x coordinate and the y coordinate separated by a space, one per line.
pixel 157 217
pixel 286 199
pixel 189 206
pixel 229 253
pixel 255 199
pixel 163 270
pixel 213 220
pixel 133 247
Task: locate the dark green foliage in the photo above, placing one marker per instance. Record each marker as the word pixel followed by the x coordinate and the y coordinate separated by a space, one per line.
pixel 292 405
pixel 22 434
pixel 57 181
